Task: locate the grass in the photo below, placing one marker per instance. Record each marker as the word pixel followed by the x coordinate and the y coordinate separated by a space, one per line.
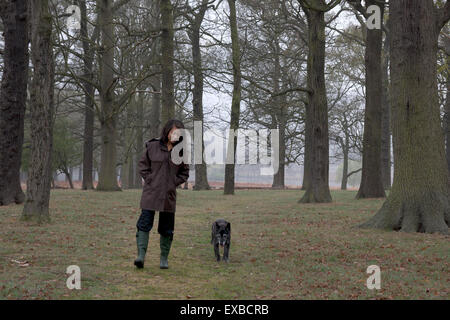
pixel 279 250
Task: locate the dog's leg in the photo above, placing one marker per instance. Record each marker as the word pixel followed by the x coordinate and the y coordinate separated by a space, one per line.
pixel 226 252
pixel 216 251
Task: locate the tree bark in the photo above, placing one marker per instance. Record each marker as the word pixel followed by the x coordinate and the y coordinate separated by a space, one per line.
pixel 126 172
pixel 13 95
pixel 280 116
pixel 447 123
pixel 236 100
pixel 386 123
pixel 139 139
pixel 36 206
pixel 167 65
pixel 88 136
pixel 68 175
pixel 316 120
pixel 371 183
pixel 418 201
pixel 107 180
pixel 201 177
pixel 447 105
pixel 345 151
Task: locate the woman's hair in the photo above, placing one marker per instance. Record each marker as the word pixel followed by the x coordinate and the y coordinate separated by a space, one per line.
pixel 167 127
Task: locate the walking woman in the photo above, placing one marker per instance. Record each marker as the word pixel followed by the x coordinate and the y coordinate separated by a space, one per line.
pixel 161 177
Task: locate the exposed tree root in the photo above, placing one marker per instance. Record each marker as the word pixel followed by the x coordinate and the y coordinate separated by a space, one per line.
pixel 428 213
pixel 17 197
pixel 316 196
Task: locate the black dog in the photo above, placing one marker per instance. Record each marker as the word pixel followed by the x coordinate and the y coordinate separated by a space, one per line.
pixel 221 235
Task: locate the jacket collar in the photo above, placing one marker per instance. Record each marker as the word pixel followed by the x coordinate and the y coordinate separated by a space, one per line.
pixel 162 146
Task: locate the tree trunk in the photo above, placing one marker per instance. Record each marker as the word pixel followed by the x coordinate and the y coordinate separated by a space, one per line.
pixel 278 178
pixel 305 170
pixel 447 105
pixel 107 180
pixel 139 138
pixel 13 95
pixel 126 171
pixel 316 122
pixel 68 175
pixel 418 200
pixel 42 108
pixel 167 66
pixel 155 112
pixel 371 183
pixel 386 123
pixel 447 123
pixel 155 81
pixel 279 103
pixel 236 100
pixel 88 136
pixel 345 151
pixel 201 177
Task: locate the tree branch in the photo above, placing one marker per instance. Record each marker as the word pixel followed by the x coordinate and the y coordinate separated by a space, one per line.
pixel 443 15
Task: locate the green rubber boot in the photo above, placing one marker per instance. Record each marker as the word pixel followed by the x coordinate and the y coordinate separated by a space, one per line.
pixel 164 243
pixel 142 244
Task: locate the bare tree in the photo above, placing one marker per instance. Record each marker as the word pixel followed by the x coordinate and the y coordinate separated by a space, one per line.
pixel 418 201
pixel 371 180
pixel 316 125
pixel 236 100
pixel 36 206
pixel 13 94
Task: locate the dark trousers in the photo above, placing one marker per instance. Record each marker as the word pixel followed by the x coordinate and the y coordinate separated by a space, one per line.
pixel 166 222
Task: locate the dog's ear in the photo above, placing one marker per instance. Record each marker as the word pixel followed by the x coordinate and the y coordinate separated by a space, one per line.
pixel 217 225
pixel 228 226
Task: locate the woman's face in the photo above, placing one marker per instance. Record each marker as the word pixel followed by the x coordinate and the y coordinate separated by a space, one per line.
pixel 174 135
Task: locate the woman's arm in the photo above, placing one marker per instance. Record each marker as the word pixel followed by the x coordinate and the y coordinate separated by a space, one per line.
pixel 182 174
pixel 144 165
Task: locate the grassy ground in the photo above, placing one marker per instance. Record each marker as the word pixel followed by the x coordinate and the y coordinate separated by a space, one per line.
pixel 280 250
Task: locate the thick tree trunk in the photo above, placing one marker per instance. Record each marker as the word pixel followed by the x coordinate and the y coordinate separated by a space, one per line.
pixel 447 105
pixel 447 123
pixel 386 123
pixel 201 177
pixel 371 183
pixel 316 124
pixel 236 100
pixel 107 180
pixel 39 174
pixel 88 136
pixel 305 170
pixel 155 81
pixel 167 66
pixel 418 200
pixel 13 94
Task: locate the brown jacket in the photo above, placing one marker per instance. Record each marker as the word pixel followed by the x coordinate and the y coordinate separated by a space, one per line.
pixel 161 177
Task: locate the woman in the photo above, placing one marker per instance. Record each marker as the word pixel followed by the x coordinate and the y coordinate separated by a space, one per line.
pixel 161 177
